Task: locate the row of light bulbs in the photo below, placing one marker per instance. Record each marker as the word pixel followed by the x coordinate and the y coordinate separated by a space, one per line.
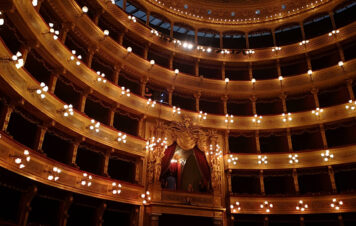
pixel 293 158
pixel 301 206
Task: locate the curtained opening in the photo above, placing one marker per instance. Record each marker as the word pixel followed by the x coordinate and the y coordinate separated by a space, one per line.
pixel 185 168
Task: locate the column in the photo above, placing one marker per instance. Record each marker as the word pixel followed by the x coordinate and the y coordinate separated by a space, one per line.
pixel 5 116
pixel 265 221
pixel 89 58
pixel 148 14
pixel 197 67
pixel 111 115
pixel 302 30
pixel 350 90
pixel 124 5
pixel 196 36
pixel 116 75
pixel 53 82
pixel 332 179
pixel 154 219
pixel 250 71
pixel 138 170
pixel 105 162
pixel 73 151
pixel 171 30
pixel 97 15
pixel 99 213
pixel 63 210
pixel 247 41
pixel 170 96
pixel 223 74
pixel 66 27
pixel 295 180
pixel 218 221
pixel 274 37
pixel 120 39
pixel 224 100
pixel 262 183
pixel 145 51
pixel 143 83
pixel 25 204
pixel 141 126
pixel 197 97
pixel 171 58
pixel 341 220
pixel 229 184
pixel 40 134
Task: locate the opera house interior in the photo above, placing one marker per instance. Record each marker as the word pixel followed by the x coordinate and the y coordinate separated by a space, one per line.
pixel 170 113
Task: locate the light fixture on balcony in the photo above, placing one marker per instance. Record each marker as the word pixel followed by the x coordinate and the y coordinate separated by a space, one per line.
pixel 262 159
pixel 41 90
pixel 341 63
pixel 304 42
pixel 208 50
pixel 202 115
pixel 232 159
pixel 17 58
pixel 275 49
pixel 280 78
pixel 176 110
pixel 152 62
pixel 73 57
pixel 125 91
pixel 146 197
pixel 253 80
pixel 151 103
pixel 187 45
pixel 235 207
pixel 225 51
pixel 293 158
pixel 334 32
pixel 249 52
pixel 227 80
pixel 86 180
pixel 129 49
pixel 336 204
pixel 54 174
pixel 310 72
pixel 267 206
pixel 317 111
pixel 85 9
pixel 121 137
pixel 52 31
pixel 22 160
pixel 229 118
pixel 301 206
pixel 176 71
pixel 327 155
pixel 34 2
pixel 106 32
pixel 2 20
pixel 351 105
pixel 116 188
pixel 67 110
pixel 257 119
pixel 286 117
pixel 95 126
pixel 153 31
pixel 101 77
pixel 132 18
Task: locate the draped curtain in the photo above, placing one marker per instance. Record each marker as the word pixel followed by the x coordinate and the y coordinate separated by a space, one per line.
pixel 168 155
pixel 202 163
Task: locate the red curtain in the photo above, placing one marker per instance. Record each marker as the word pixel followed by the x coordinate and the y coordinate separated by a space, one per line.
pixel 168 155
pixel 203 163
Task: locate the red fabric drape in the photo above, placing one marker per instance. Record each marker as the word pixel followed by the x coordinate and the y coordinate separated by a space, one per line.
pixel 202 163
pixel 168 155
